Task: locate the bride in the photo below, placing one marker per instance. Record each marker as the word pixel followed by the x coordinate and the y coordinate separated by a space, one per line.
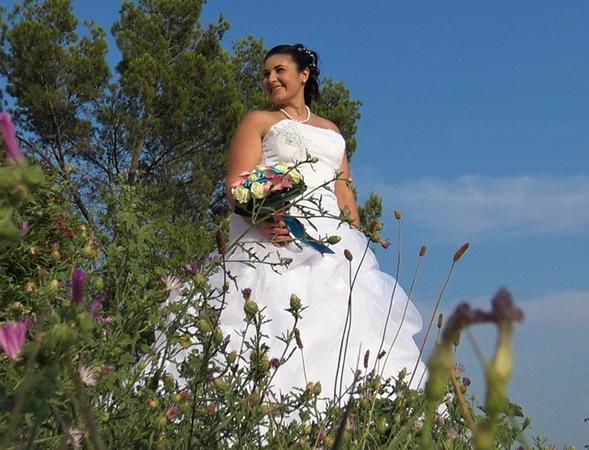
pixel 291 133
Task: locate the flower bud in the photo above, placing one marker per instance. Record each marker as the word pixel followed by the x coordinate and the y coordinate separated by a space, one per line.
pixel 251 308
pixel 211 409
pixel 333 239
pixel 295 303
pixel 232 357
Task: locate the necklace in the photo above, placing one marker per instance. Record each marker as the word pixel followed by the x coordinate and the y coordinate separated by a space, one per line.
pixel 283 111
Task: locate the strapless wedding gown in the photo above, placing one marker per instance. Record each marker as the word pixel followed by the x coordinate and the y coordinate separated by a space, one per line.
pixel 322 282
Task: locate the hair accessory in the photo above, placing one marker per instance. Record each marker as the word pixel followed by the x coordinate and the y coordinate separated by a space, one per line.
pixel 310 55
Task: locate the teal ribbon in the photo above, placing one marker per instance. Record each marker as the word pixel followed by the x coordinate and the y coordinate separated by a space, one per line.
pixel 297 229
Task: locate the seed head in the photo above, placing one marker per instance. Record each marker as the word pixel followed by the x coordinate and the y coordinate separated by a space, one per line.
pixel 298 340
pixel 348 255
pixel 221 244
pixel 441 320
pixel 366 356
pixel 398 215
pixel 463 248
pixel 423 250
pixel 381 354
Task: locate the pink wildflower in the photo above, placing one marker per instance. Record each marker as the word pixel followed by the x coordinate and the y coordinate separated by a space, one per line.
pixel 24 227
pixel 12 337
pixel 173 412
pixel 9 135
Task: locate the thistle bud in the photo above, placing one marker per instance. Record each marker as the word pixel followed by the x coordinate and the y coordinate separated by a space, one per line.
pixel 316 388
pixel 463 248
pixel 246 293
pixel 251 308
pixel 205 326
pixel 333 239
pixel 348 255
pixel 275 363
pixel 398 215
pixel 295 303
pixel 232 357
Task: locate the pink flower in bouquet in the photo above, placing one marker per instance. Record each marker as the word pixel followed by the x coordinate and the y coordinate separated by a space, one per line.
pixel 9 135
pixel 12 337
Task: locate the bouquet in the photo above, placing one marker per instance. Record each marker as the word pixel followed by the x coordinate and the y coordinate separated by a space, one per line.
pixel 267 191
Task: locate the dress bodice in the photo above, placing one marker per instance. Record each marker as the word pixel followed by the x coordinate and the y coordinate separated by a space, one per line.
pixel 290 142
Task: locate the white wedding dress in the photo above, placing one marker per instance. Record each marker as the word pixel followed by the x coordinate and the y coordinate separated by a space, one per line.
pixel 322 282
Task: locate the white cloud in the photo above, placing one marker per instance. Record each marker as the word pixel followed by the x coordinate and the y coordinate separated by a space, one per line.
pixel 562 310
pixel 477 205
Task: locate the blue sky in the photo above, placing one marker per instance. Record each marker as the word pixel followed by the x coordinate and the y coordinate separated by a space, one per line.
pixel 475 124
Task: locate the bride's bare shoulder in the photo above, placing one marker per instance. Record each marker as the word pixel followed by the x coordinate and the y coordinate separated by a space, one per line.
pixel 260 120
pixel 325 123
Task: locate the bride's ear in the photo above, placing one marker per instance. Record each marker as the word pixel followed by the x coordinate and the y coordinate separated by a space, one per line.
pixel 306 72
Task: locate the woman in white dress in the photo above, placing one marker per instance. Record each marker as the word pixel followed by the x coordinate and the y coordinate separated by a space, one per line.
pixel 290 133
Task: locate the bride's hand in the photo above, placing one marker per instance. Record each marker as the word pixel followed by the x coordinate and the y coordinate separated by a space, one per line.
pixel 274 230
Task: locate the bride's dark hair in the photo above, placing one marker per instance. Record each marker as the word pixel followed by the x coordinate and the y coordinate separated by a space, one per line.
pixel 304 59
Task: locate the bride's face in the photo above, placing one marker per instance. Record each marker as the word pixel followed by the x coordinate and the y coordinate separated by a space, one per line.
pixel 283 81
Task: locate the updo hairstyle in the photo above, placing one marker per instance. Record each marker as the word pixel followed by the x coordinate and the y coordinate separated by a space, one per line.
pixel 304 59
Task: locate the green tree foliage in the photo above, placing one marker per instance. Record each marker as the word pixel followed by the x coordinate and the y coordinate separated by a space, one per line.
pixel 163 120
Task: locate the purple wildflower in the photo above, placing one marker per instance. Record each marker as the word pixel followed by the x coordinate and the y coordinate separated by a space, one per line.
pixel 96 307
pixel 12 337
pixel 9 135
pixel 78 284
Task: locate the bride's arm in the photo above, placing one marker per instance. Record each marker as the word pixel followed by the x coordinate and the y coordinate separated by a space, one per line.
pixel 245 151
pixel 245 154
pixel 344 194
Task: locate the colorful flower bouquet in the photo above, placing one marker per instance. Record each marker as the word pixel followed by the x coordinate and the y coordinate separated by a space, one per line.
pixel 267 191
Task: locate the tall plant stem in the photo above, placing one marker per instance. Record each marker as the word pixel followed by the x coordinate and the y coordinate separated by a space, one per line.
pixel 409 295
pixel 463 406
pixel 20 399
pixel 84 405
pixel 429 327
pixel 392 299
